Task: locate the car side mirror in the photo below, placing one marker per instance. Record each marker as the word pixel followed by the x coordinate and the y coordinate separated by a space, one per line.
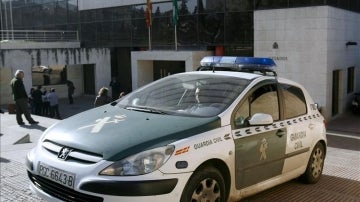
pixel 260 119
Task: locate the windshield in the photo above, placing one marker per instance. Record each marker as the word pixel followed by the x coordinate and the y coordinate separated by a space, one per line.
pixel 201 95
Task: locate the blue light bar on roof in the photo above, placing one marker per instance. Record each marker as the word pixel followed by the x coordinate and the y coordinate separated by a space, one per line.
pixel 228 61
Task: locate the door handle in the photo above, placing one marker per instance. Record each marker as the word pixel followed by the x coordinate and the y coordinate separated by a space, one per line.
pixel 311 126
pixel 280 133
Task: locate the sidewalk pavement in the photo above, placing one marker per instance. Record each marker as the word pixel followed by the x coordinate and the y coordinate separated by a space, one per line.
pixel 17 141
pixel 347 122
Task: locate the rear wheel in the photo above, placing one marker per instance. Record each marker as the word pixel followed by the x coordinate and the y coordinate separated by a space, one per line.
pixel 315 165
pixel 206 185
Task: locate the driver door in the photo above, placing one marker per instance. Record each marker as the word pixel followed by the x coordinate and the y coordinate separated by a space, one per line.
pixel 259 149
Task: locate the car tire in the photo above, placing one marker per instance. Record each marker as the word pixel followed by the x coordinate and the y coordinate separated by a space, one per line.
pixel 206 184
pixel 315 165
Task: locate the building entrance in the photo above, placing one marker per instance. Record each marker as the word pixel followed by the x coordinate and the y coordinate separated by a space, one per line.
pixel 165 68
pixel 89 79
pixel 335 92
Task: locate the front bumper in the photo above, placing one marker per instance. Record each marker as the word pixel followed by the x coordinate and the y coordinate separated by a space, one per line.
pixel 169 189
pixel 90 186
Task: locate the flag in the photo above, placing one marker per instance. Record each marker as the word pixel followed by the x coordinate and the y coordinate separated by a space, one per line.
pixel 175 12
pixel 148 13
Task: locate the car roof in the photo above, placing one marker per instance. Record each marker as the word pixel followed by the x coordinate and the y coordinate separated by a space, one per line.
pixel 243 75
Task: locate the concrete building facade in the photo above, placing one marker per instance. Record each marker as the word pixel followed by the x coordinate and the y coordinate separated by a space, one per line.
pixel 312 46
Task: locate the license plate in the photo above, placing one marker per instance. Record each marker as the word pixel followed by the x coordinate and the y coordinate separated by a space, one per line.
pixel 60 176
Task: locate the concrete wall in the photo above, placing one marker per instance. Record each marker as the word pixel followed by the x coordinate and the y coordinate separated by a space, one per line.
pixel 311 44
pixel 343 26
pixel 142 63
pixel 19 44
pixel 11 60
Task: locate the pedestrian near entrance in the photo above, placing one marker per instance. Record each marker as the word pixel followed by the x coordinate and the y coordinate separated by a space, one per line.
pixel 21 98
pixel 115 88
pixel 54 103
pixel 37 98
pixel 46 103
pixel 102 98
pixel 71 90
pixel 31 100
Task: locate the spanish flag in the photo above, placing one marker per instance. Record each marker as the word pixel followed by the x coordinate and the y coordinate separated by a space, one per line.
pixel 148 13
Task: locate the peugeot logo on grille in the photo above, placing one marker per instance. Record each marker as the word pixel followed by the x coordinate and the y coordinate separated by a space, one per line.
pixel 64 153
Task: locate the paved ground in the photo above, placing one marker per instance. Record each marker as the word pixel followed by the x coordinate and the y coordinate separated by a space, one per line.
pixel 341 180
pixel 13 181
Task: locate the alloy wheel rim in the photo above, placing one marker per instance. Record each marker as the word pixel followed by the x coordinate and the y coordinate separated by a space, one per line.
pixel 208 190
pixel 317 163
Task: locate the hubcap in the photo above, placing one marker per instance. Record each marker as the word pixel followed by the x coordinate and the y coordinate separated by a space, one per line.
pixel 207 191
pixel 317 162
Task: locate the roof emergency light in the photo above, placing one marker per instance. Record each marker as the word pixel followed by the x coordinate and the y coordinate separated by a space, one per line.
pixel 246 64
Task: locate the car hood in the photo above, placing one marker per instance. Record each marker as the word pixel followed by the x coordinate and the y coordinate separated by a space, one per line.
pixel 115 133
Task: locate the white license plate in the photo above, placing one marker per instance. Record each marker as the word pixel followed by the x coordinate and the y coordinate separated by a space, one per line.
pixel 60 176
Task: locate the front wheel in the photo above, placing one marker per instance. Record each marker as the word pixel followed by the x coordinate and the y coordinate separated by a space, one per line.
pixel 205 185
pixel 315 165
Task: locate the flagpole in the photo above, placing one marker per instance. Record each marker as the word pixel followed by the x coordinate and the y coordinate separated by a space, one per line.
pixel 148 19
pixel 149 28
pixel 175 38
pixel 175 20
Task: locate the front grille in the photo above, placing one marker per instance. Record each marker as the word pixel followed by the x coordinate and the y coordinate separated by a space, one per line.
pixel 61 192
pixel 75 155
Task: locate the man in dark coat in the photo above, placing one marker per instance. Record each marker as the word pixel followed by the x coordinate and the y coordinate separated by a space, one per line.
pixel 115 88
pixel 37 97
pixel 71 89
pixel 21 98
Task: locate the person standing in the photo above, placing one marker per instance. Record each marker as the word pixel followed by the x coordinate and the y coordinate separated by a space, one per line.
pixel 37 97
pixel 71 89
pixel 54 103
pixel 46 104
pixel 21 98
pixel 31 100
pixel 115 88
pixel 102 98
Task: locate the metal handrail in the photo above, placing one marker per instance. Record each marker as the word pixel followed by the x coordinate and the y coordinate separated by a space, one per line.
pixel 39 35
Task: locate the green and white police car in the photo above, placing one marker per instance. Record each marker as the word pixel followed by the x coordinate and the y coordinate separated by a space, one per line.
pixel 222 133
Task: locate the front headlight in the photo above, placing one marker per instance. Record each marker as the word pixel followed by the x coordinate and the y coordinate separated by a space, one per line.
pixel 141 163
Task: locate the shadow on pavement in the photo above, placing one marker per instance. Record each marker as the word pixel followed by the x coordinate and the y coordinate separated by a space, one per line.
pixel 4 160
pixel 329 187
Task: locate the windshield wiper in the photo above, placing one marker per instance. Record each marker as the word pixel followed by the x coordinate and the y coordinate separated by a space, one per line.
pixel 146 109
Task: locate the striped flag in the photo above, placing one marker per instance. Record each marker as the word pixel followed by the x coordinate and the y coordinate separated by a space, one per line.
pixel 148 13
pixel 175 12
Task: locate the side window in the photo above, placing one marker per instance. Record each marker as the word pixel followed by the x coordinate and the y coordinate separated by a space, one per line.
pixel 294 101
pixel 263 100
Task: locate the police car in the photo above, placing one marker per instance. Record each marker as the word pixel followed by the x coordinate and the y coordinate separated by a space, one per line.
pixel 222 133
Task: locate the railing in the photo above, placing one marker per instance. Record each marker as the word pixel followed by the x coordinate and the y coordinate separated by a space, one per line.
pixel 39 35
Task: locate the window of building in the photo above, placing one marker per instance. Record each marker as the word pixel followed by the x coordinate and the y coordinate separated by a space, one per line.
pixel 239 5
pixel 243 32
pixel 294 101
pixel 211 6
pixel 350 79
pixel 211 28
